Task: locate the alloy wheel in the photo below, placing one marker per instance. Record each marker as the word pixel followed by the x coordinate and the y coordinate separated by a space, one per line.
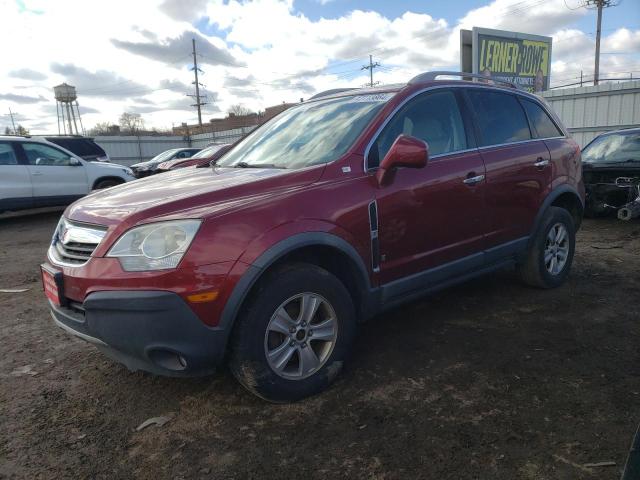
pixel 300 336
pixel 556 250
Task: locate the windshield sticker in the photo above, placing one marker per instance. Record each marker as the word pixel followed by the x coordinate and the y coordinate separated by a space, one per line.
pixel 374 97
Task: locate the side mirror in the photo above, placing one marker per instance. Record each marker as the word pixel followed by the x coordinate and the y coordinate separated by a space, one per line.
pixel 74 162
pixel 406 151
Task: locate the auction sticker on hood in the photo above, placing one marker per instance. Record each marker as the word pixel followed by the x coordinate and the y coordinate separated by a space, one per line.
pixel 371 98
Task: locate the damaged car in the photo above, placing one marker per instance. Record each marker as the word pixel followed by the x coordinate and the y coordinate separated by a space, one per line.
pixel 611 173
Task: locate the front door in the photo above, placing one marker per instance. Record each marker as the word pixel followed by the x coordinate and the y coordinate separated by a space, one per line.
pixel 434 216
pixel 52 173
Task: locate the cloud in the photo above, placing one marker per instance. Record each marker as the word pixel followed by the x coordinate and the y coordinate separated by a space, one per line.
pixel 175 86
pixel 27 74
pixel 264 52
pixel 84 110
pixel 101 83
pixel 22 99
pixel 231 81
pixel 171 50
pixel 184 10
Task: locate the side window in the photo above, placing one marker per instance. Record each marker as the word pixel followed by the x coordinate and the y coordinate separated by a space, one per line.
pixel 7 155
pixel 433 117
pixel 184 154
pixel 542 123
pixel 44 155
pixel 500 117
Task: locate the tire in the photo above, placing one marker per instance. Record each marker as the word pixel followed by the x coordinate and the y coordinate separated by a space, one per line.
pixel 259 333
pixel 102 184
pixel 537 272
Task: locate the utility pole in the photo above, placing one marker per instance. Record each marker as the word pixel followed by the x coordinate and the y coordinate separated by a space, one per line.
pixel 370 67
pixel 195 69
pixel 596 69
pixel 15 132
pixel 599 5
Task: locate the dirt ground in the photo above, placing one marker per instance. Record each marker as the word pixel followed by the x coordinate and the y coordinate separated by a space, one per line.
pixel 488 380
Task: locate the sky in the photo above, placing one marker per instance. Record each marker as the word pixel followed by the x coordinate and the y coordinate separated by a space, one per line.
pixel 135 56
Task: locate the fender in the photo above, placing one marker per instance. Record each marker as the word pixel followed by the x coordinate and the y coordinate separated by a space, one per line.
pixel 549 199
pixel 279 250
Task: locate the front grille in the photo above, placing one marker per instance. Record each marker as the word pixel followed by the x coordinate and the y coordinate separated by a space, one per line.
pixel 73 243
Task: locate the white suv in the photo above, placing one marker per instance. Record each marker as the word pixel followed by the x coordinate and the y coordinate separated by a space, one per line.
pixel 37 173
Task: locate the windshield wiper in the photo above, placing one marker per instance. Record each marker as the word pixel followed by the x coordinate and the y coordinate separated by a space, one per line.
pixel 250 165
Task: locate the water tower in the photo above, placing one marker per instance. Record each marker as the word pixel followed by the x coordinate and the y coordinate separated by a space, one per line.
pixel 67 109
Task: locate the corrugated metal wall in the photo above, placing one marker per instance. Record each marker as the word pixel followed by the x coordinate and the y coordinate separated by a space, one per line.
pixel 228 136
pixel 590 111
pixel 127 150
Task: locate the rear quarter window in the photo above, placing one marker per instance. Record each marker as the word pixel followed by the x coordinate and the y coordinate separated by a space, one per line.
pixel 500 117
pixel 79 146
pixel 540 120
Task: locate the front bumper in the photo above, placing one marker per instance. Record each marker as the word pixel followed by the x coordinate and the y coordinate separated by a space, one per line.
pixel 155 331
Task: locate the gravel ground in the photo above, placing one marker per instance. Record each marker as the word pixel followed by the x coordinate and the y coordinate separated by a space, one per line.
pixel 489 379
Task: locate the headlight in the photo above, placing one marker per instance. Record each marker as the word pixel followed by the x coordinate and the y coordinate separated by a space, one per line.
pixel 156 246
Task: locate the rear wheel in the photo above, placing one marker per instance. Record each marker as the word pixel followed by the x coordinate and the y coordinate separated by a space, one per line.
pixel 551 250
pixel 291 339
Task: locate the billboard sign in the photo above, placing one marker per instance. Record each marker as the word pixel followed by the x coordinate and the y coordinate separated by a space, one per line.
pixel 519 58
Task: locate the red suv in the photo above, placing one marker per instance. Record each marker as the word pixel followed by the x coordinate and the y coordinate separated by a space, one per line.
pixel 337 209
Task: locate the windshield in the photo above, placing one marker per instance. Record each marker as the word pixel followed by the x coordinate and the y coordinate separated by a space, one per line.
pixel 613 148
pixel 307 134
pixel 166 155
pixel 207 152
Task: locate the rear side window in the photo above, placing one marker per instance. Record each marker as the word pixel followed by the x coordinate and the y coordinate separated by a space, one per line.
pixel 7 155
pixel 432 117
pixel 80 146
pixel 500 117
pixel 540 120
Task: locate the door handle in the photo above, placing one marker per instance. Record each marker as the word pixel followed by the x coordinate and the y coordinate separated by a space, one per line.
pixel 36 174
pixel 473 180
pixel 541 163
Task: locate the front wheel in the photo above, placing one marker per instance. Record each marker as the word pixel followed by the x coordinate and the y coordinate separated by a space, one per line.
pixel 291 339
pixel 101 185
pixel 551 250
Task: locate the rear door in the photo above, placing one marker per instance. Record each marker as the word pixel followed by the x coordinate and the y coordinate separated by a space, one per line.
pixel 15 181
pixel 52 174
pixel 431 216
pixel 518 169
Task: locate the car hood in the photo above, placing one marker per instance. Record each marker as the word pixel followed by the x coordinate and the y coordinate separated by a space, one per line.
pixel 108 165
pixel 190 192
pixel 169 164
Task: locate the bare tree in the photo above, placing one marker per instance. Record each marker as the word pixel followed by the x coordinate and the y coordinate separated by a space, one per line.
pixel 20 130
pixel 239 110
pixel 131 122
pixel 103 128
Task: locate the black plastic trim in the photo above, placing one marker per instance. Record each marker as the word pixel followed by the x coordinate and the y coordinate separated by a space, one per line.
pixel 278 251
pixel 135 325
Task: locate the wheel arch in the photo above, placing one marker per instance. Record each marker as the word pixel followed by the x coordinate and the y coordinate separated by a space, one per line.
pixel 325 250
pixel 97 181
pixel 564 196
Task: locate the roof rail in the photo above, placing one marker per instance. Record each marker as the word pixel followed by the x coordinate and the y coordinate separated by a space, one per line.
pixel 430 76
pixel 330 92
